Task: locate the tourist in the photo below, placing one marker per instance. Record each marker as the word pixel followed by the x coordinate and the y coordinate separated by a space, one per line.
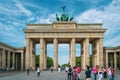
pixel 51 68
pixel 28 71
pixel 95 72
pixel 66 69
pixel 100 74
pixel 109 73
pixel 113 73
pixel 74 72
pixel 69 73
pixel 105 74
pixel 78 72
pixel 88 74
pixel 38 71
pixel 59 69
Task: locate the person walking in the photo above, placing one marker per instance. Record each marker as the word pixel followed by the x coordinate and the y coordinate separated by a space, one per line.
pixel 38 71
pixel 51 68
pixel 105 74
pixel 78 72
pixel 109 73
pixel 28 71
pixel 74 72
pixel 88 74
pixel 113 74
pixel 100 74
pixel 95 72
pixel 69 73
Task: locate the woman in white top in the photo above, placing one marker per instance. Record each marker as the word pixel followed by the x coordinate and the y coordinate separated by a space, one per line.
pixel 38 71
pixel 109 73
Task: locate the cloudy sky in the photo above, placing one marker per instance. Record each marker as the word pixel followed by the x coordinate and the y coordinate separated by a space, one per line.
pixel 15 14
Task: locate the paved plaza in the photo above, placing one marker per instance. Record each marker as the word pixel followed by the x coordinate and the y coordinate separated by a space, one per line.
pixel 45 75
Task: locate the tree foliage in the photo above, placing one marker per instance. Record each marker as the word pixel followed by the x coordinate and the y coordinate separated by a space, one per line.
pixel 49 62
pixel 37 60
pixel 78 61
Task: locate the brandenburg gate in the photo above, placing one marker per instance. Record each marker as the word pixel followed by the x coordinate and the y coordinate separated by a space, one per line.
pixel 64 32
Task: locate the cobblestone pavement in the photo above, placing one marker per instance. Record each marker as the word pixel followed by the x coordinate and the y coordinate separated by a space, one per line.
pixel 45 75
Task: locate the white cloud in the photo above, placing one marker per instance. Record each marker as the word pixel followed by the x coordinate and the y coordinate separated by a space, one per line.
pixel 22 8
pixel 49 19
pixel 109 15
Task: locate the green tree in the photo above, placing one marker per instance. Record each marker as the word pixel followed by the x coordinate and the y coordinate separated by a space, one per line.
pixel 78 61
pixel 37 60
pixel 65 65
pixel 49 62
pixel 90 60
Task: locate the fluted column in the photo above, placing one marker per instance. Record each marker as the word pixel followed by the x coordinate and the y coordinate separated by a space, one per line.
pixel 115 60
pixel 85 53
pixel 70 56
pixel 106 59
pixel 3 59
pixel 13 60
pixel 45 55
pixel 8 59
pixel 119 61
pixel 97 52
pixel 42 53
pixel 21 60
pixel 73 53
pixel 101 52
pixel 55 53
pixel 27 56
pixel 0 58
pixel 31 54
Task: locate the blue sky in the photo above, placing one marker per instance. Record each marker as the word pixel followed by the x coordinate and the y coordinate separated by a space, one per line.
pixel 15 14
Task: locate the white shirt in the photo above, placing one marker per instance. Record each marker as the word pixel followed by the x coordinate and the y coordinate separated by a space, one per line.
pixel 109 71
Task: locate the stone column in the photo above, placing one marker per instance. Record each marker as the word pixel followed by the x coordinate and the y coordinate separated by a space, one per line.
pixel 55 53
pixel 115 60
pixel 101 52
pixel 85 53
pixel 119 61
pixel 73 53
pixel 106 59
pixel 21 60
pixel 45 55
pixel 41 53
pixel 31 54
pixel 27 56
pixel 0 58
pixel 97 52
pixel 8 59
pixel 3 59
pixel 13 60
pixel 16 61
pixel 70 56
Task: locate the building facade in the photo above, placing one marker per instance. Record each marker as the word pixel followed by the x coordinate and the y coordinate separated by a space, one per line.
pixel 11 58
pixel 64 32
pixel 56 33
pixel 112 57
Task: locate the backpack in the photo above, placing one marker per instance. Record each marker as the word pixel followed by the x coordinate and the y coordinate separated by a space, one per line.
pixel 70 70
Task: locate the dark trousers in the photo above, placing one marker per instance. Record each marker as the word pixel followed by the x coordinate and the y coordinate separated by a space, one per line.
pixel 95 76
pixel 69 76
pixel 38 73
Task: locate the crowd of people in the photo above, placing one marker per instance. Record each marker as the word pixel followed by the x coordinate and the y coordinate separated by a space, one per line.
pixel 74 73
pixel 100 73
